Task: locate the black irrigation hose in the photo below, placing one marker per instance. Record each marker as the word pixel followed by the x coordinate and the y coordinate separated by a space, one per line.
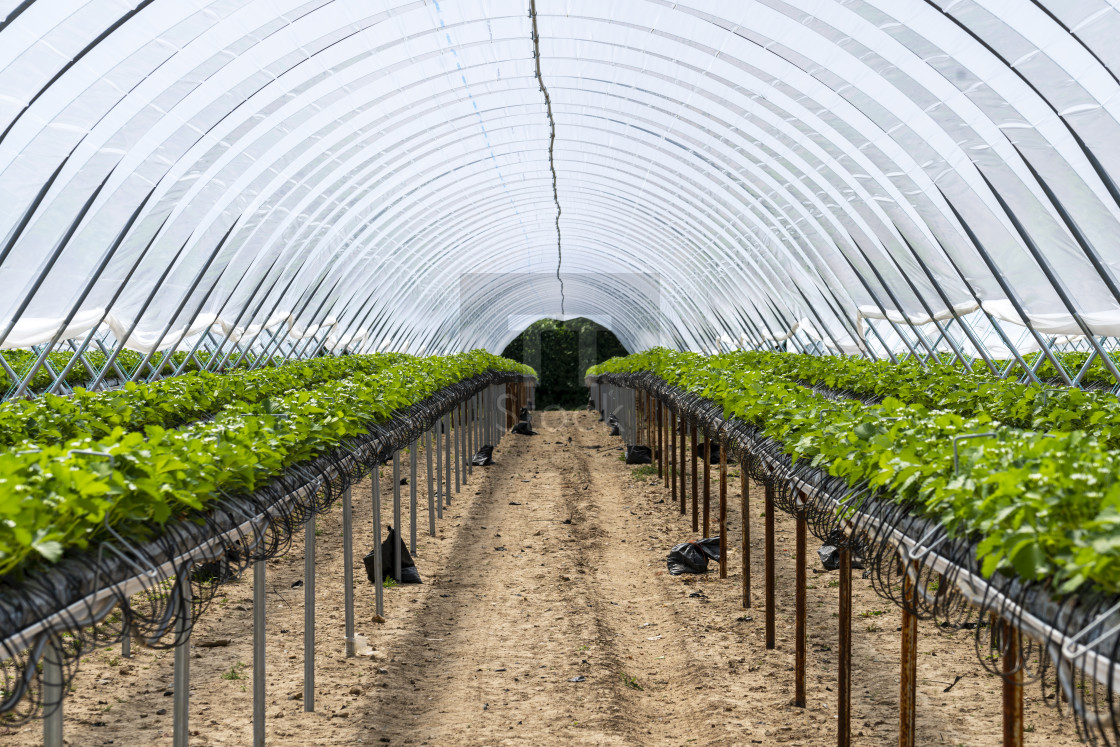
pixel 66 591
pixel 868 524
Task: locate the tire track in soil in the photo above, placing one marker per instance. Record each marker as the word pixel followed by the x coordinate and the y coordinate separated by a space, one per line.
pixel 492 650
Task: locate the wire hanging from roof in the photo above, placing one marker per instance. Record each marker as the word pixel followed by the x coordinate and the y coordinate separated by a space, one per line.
pixel 551 147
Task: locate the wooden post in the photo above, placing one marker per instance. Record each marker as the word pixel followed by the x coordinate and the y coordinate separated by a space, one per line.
pixel 745 510
pixel 801 610
pixel 769 569
pixel 722 510
pixel 844 685
pixel 695 484
pixel 908 676
pixel 1012 687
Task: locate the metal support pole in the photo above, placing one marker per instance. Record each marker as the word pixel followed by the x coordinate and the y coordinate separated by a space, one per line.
pixel 397 516
pixel 180 727
pixel 660 441
pixel 844 685
pixel 769 569
pixel 447 456
pixel 908 676
pixel 412 495
pixel 683 465
pixel 126 638
pixel 431 494
pixel 723 510
pixel 707 485
pixel 1012 687
pixel 378 571
pixel 439 467
pixel 464 436
pixel 309 615
pixel 348 569
pixel 53 691
pixel 259 591
pixel 695 485
pixel 672 476
pixel 800 612
pixel 745 511
pixel 458 431
pixel 468 436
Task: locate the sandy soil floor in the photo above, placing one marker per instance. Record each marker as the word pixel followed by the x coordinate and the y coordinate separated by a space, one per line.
pixel 546 617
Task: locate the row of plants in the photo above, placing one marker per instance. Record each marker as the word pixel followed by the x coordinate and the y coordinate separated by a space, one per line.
pixel 21 360
pixel 54 501
pixel 1042 504
pixel 168 403
pixel 945 387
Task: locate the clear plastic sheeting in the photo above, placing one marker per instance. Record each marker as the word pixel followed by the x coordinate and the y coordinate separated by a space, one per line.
pixel 832 175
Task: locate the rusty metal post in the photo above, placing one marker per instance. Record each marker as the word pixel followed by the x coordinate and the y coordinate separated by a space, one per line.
pixel 695 484
pixel 707 485
pixel 769 570
pixel 801 610
pixel 673 455
pixel 844 651
pixel 908 678
pixel 660 441
pixel 745 511
pixel 1012 687
pixel 683 466
pixel 722 510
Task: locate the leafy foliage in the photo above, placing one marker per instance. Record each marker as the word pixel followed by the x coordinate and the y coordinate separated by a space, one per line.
pixel 562 351
pixel 53 500
pixel 1044 501
pixel 165 363
pixel 169 403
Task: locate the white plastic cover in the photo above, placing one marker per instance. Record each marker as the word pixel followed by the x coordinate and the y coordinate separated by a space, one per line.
pixel 168 167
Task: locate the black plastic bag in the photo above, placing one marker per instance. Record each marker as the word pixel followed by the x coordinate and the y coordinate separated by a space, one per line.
pixel 714 458
pixel 409 574
pixel 638 454
pixel 710 547
pixel 484 457
pixel 613 423
pixel 687 557
pixel 524 428
pixel 829 553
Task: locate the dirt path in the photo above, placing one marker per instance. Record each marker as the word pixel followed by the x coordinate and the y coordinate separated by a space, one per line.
pixel 546 617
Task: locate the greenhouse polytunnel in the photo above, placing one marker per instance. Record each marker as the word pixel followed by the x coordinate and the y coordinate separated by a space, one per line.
pixel 280 275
